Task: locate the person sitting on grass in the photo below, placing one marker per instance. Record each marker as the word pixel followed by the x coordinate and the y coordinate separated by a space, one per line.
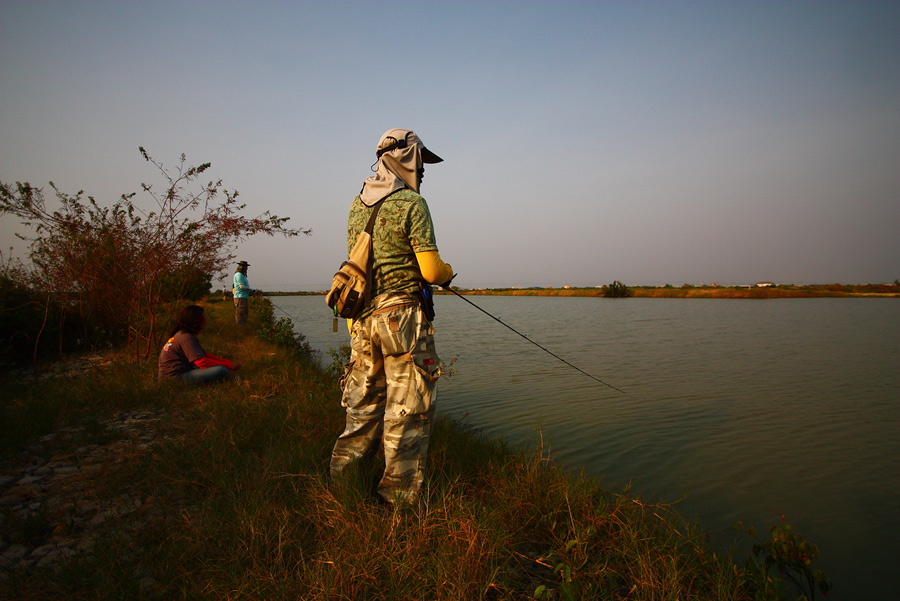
pixel 182 357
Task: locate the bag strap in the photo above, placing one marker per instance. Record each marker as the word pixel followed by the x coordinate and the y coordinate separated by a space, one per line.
pixel 371 262
pixel 371 224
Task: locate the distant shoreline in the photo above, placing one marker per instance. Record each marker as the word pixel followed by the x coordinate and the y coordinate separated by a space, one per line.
pixel 738 292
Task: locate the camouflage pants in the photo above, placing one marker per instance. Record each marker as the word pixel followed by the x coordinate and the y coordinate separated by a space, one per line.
pixel 389 392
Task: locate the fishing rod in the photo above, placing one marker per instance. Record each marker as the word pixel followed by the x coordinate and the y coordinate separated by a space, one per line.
pixel 532 341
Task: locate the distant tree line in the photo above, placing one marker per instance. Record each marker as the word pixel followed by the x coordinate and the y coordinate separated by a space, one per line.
pixel 101 275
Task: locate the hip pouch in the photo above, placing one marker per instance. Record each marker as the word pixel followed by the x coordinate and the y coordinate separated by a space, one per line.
pixel 348 292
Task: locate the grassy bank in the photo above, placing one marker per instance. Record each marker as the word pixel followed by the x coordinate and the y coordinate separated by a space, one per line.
pixel 231 500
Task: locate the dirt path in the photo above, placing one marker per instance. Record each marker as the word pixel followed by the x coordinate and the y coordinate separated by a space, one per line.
pixel 55 499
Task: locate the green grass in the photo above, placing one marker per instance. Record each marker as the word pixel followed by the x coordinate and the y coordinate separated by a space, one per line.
pixel 240 506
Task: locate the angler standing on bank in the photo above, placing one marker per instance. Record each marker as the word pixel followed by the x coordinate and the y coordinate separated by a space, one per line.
pixel 242 292
pixel 390 387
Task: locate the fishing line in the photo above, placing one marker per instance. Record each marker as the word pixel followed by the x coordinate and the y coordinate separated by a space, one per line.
pixel 533 342
pixel 293 318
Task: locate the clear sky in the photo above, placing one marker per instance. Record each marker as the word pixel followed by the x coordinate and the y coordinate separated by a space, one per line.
pixel 584 142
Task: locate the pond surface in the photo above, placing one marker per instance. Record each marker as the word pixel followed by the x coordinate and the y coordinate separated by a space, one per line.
pixel 739 410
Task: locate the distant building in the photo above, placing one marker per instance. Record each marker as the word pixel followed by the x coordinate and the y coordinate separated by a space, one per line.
pixel 764 284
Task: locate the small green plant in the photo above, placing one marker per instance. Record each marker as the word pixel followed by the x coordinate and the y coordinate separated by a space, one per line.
pixel 447 370
pixel 340 358
pixel 571 587
pixel 792 555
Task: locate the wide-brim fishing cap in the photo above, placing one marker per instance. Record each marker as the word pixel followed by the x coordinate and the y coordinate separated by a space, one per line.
pixel 400 154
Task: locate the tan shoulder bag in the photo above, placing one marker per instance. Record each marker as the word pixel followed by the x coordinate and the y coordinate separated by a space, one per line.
pixel 351 287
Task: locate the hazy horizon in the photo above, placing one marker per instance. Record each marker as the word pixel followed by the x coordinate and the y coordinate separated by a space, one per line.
pixel 630 285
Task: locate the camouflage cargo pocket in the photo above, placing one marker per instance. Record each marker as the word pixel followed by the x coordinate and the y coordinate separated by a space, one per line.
pixel 412 365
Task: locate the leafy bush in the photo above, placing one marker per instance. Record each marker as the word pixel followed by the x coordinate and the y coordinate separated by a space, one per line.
pixel 790 554
pixel 616 290
pixel 115 265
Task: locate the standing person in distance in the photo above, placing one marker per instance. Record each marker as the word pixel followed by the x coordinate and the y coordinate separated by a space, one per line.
pixel 390 390
pixel 242 292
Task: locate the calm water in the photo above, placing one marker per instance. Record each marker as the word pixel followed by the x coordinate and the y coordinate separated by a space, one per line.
pixel 739 410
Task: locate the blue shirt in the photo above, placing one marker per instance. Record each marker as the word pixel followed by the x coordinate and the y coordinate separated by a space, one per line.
pixel 241 286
